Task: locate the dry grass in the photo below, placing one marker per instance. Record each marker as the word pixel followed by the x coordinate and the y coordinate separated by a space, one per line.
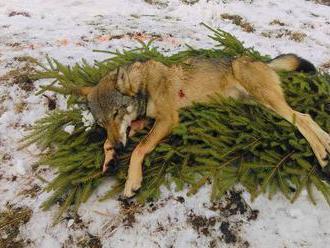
pixel 283 32
pixel 31 192
pixel 325 66
pixel 10 221
pixel 277 22
pixel 324 2
pixel 239 21
pixel 22 75
pixel 159 3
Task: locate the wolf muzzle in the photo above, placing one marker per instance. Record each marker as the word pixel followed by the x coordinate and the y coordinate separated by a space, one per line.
pixel 119 147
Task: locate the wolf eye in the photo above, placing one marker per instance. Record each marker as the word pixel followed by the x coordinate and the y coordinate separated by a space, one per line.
pixel 115 113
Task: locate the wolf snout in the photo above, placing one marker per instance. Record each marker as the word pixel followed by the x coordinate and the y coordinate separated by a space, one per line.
pixel 119 147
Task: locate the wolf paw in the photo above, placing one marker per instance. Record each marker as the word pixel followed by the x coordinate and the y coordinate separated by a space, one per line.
pixel 325 151
pixel 132 185
pixel 321 154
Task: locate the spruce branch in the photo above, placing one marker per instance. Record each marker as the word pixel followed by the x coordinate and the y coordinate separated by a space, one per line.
pixel 224 142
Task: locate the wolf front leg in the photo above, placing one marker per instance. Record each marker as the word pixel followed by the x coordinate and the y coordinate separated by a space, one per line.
pixel 109 154
pixel 161 129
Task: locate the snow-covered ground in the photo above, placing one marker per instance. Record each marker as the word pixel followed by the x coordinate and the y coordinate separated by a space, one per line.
pixel 70 30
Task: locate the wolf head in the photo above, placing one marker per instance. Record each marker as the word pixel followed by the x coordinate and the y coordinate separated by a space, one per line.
pixel 113 110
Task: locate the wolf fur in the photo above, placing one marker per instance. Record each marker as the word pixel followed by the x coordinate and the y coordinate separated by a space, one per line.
pixel 291 62
pixel 170 88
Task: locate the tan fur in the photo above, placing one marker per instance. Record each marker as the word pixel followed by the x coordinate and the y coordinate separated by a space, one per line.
pixel 83 91
pixel 172 88
pixel 289 62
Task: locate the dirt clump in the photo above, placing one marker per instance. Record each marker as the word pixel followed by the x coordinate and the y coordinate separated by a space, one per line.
pixel 229 237
pixel 201 224
pixel 283 32
pixel 23 74
pixel 239 21
pixel 19 13
pixel 129 209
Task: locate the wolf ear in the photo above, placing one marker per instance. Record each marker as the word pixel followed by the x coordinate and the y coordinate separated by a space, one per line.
pixel 121 74
pixel 122 82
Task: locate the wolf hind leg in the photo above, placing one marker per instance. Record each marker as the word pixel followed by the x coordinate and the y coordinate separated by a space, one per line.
pixel 263 84
pixel 322 135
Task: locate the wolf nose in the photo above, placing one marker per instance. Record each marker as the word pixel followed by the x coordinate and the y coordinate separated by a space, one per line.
pixel 119 147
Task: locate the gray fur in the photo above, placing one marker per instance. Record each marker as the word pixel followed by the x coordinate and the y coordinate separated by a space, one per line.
pixel 103 105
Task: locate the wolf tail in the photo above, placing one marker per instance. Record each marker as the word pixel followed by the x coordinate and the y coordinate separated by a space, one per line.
pixel 291 62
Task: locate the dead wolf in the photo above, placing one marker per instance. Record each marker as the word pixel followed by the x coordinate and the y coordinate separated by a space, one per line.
pixel 167 89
